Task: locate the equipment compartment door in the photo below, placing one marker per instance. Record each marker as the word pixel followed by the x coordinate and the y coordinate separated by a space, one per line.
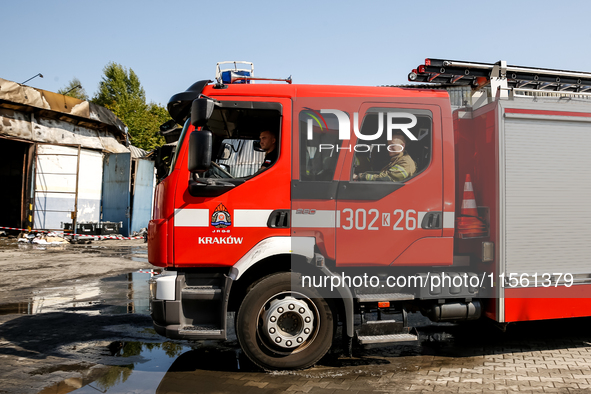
pixel 396 216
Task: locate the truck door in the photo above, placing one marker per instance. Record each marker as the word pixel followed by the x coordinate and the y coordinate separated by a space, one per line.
pixel 318 160
pixel 383 221
pixel 216 228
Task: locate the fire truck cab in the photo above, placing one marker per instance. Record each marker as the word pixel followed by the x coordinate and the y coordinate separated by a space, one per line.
pixel 308 243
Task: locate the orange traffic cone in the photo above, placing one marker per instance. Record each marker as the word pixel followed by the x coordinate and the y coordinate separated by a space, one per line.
pixel 469 224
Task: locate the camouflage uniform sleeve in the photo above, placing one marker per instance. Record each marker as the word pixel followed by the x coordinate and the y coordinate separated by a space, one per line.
pixel 375 176
pixel 396 172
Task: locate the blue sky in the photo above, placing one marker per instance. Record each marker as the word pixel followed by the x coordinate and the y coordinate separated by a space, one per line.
pixel 172 44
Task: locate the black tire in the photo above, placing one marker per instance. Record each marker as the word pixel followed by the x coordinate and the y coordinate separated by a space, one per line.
pixel 260 306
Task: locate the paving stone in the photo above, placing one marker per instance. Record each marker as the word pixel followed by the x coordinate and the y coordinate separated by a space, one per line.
pixel 534 378
pixel 470 380
pixel 314 383
pixel 421 387
pixel 551 379
pixel 541 384
pixel 320 390
pixel 296 388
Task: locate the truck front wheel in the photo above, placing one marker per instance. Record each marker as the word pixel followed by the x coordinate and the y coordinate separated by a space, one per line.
pixel 281 325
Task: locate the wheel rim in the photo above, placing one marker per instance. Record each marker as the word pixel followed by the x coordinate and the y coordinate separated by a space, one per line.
pixel 288 322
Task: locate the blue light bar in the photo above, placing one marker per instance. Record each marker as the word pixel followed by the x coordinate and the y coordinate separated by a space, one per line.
pixel 227 76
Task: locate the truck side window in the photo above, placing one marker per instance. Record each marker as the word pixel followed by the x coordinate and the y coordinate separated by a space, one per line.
pixel 236 128
pixel 380 159
pixel 319 143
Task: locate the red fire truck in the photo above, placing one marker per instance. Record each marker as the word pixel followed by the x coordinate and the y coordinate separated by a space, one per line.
pixel 494 221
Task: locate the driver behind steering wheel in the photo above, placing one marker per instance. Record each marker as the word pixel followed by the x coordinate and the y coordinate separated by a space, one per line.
pixel 268 144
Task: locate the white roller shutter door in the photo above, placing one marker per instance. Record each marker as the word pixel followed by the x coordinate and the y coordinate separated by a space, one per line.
pixel 547 194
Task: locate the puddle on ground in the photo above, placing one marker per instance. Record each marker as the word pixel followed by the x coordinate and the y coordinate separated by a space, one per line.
pixel 167 367
pixel 174 368
pixel 144 375
pixel 7 243
pixel 215 367
pixel 134 253
pixel 126 293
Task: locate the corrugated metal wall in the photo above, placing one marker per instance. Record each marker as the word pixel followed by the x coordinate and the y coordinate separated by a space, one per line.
pixel 143 190
pixel 55 185
pixel 116 189
pixel 90 186
pixel 245 160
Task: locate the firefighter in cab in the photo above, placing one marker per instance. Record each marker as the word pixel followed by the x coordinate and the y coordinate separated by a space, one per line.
pixel 400 167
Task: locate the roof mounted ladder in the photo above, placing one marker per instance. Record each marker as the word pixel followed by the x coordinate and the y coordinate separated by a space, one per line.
pixel 501 77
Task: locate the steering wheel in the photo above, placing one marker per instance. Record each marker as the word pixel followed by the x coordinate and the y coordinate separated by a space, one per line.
pixel 216 165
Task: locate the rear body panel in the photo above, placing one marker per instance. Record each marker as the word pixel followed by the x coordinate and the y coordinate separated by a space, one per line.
pixel 527 159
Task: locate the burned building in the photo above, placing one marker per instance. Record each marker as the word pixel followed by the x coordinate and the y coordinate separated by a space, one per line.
pixel 67 161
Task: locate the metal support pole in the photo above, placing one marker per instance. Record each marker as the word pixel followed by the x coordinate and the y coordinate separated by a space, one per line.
pixel 75 218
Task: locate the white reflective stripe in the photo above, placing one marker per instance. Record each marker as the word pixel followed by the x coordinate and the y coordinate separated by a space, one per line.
pixel 468 187
pixel 469 204
pixel 191 217
pixel 449 219
pixel 338 219
pixel 420 216
pixel 251 217
pixel 320 219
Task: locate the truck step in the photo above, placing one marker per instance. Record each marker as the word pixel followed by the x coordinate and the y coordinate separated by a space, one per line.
pixel 381 327
pixel 392 338
pixel 205 330
pixel 201 293
pixel 384 297
pixel 409 335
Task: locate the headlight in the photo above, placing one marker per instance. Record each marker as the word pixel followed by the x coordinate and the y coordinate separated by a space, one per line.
pixel 152 284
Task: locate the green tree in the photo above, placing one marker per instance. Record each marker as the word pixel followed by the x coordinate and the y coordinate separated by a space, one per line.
pixel 113 376
pixel 74 89
pixel 120 91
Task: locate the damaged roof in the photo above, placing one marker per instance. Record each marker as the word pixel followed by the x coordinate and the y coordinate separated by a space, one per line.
pixel 17 102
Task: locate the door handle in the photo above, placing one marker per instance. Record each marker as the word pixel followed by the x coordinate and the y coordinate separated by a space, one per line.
pixel 279 218
pixel 432 220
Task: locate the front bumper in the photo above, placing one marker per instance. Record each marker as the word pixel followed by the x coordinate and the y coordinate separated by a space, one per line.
pixel 190 305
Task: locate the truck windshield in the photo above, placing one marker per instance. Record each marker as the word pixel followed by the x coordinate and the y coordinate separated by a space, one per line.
pixel 178 145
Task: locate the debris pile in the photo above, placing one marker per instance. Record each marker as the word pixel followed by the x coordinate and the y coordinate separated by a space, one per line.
pixel 42 239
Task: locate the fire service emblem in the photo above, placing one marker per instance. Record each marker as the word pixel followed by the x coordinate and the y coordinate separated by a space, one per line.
pixel 221 217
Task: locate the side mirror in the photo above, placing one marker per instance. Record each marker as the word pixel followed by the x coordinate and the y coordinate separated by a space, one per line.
pixel 225 152
pixel 200 146
pixel 201 111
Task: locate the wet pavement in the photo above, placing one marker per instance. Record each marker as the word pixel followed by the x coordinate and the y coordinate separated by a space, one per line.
pixel 93 333
pixel 124 293
pixel 535 357
pixel 140 376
